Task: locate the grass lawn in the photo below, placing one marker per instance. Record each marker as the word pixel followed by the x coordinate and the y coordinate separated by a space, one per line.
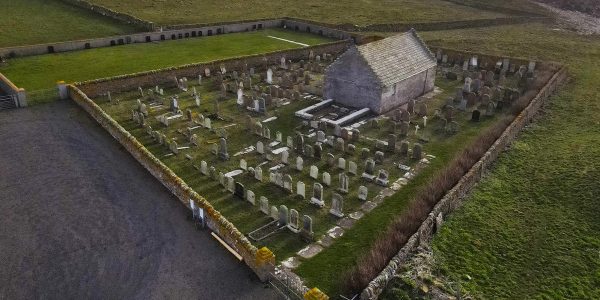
pixel 26 22
pixel 531 229
pixel 42 72
pixel 343 11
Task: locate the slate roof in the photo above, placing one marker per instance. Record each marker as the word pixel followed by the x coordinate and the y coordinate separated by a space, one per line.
pixel 398 57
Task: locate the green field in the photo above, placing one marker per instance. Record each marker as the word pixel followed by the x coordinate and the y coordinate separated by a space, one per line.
pixel 531 229
pixel 26 22
pixel 343 11
pixel 42 72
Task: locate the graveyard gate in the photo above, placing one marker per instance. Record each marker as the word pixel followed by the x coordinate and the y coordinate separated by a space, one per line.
pixel 8 102
pixel 286 284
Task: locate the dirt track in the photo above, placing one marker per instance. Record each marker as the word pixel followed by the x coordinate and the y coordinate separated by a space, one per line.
pixel 79 218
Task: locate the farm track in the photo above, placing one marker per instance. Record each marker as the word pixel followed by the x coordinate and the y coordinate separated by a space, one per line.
pixel 80 218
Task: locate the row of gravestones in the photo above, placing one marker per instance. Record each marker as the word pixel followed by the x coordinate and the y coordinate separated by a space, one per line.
pixel 285 181
pixel 238 190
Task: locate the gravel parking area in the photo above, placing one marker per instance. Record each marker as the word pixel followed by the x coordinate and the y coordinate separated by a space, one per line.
pixel 79 218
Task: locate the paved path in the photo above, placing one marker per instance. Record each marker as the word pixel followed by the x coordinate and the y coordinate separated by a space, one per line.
pixel 79 218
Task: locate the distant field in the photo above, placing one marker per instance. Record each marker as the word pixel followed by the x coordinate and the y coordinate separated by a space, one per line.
pixel 24 22
pixel 42 72
pixel 341 11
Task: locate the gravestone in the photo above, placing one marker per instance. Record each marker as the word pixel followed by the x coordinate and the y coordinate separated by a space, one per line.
pixel 223 155
pixel 467 85
pixel 320 136
pixel 326 179
pixel 475 116
pixel 352 168
pixel 243 164
pixel 285 157
pixel 204 168
pixel 260 148
pixel 318 150
pixel 283 215
pixel 365 153
pixel 264 205
pixel 314 172
pixel 258 174
pixel 307 228
pixel 301 189
pixel 317 195
pixel 337 205
pixel 239 191
pixel 369 172
pixel 250 197
pixel 339 144
pixel 287 183
pixel 355 135
pixel 309 151
pixel 230 184
pixel 294 224
pixel 490 109
pixel 274 213
pixel 330 160
pixel 404 128
pixel 299 163
pixel 363 193
pixel 392 138
pixel 417 151
pixel 344 181
pixel 382 178
pixel 379 156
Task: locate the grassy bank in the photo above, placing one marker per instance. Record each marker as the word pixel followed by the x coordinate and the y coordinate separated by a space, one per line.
pixel 26 22
pixel 530 229
pixel 42 72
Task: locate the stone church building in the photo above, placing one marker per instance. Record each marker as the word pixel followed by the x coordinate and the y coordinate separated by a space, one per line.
pixel 382 75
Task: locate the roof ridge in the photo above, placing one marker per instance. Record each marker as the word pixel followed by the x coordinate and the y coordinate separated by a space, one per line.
pixel 418 37
pixel 397 57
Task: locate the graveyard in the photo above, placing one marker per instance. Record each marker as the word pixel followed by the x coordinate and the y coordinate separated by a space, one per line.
pixel 455 173
pixel 245 140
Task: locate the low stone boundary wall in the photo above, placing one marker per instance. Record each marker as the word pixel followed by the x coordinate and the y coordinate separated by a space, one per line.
pixel 261 261
pixel 10 88
pixel 144 37
pixel 434 26
pixel 95 88
pixel 402 27
pixel 456 196
pixel 121 17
